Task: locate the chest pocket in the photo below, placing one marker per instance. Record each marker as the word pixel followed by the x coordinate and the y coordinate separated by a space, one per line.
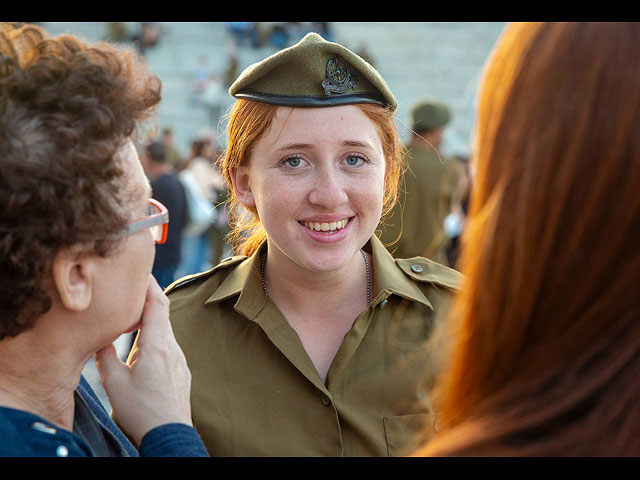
pixel 405 433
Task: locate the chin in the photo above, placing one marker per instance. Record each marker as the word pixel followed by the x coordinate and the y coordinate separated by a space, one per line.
pixel 133 328
pixel 330 261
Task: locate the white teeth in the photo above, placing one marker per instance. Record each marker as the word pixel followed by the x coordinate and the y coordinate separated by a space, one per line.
pixel 326 226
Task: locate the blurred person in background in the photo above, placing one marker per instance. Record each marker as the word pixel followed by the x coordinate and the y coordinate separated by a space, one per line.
pixel 430 192
pixel 168 190
pixel 168 139
pixel 546 332
pixel 201 182
pixel 244 33
pixel 455 222
pixel 309 341
pixel 117 32
pixel 212 98
pixel 147 36
pixel 77 245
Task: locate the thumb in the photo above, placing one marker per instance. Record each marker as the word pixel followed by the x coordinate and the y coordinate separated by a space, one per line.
pixel 109 364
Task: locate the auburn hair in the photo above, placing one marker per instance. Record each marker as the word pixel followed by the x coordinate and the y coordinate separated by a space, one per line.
pixel 248 120
pixel 545 357
pixel 66 108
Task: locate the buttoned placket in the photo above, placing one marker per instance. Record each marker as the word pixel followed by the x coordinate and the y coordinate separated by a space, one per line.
pixel 244 282
pixel 58 438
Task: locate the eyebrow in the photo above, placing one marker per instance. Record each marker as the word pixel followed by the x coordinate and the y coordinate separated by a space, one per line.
pixel 346 143
pixel 294 146
pixel 356 143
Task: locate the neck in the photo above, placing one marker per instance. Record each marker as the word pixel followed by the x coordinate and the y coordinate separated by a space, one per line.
pixel 158 169
pixel 39 373
pixel 307 291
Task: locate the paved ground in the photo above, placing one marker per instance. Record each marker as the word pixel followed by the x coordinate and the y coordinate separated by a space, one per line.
pixel 417 59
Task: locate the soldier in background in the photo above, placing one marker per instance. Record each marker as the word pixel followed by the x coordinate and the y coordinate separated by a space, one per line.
pixel 430 191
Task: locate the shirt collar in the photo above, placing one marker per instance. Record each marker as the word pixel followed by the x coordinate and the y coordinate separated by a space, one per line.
pixel 390 279
pixel 245 280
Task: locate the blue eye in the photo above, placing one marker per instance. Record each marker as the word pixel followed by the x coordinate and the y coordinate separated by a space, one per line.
pixel 293 162
pixel 354 160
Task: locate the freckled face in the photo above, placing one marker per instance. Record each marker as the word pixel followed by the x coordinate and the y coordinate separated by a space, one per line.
pixel 316 178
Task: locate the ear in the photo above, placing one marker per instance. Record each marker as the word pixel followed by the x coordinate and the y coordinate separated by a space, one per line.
pixel 241 186
pixel 72 278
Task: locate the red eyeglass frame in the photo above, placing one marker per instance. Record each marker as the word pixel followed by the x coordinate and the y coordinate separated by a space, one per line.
pixel 159 218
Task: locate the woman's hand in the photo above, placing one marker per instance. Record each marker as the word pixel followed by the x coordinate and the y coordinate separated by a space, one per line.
pixel 153 387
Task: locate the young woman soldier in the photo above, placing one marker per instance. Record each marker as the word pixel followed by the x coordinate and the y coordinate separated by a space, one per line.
pixel 308 342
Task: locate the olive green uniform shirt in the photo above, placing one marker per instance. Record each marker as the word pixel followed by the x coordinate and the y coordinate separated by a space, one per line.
pixel 427 196
pixel 255 391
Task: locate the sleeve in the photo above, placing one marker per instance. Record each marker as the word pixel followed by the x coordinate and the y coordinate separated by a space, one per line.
pixel 172 440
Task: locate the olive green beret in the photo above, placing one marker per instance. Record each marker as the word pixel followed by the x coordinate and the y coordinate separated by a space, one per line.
pixel 430 114
pixel 313 73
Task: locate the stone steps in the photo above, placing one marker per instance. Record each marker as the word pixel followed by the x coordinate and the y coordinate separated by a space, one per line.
pixel 417 59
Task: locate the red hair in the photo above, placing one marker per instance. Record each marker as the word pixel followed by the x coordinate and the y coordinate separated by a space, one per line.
pixel 546 350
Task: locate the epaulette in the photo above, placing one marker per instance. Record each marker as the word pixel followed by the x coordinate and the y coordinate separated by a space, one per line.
pixel 186 280
pixel 428 271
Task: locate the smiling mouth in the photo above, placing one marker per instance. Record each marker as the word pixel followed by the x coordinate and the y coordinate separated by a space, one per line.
pixel 326 227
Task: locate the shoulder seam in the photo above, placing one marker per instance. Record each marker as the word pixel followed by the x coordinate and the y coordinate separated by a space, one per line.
pixel 432 272
pixel 225 263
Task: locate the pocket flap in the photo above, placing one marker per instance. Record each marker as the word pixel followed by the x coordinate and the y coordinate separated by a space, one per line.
pixel 405 433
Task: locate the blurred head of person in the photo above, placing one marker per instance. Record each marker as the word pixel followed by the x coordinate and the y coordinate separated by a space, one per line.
pixel 156 160
pixel 429 118
pixel 71 183
pixel 546 332
pixel 168 136
pixel 157 152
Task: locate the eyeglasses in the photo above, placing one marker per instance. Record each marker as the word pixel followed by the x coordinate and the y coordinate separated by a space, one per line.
pixel 157 220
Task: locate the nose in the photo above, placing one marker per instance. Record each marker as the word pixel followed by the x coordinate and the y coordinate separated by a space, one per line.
pixel 328 189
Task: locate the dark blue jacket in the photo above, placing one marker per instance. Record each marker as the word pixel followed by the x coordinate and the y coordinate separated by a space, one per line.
pixel 168 190
pixel 24 434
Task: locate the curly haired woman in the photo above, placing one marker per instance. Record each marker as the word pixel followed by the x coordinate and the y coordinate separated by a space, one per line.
pixel 77 233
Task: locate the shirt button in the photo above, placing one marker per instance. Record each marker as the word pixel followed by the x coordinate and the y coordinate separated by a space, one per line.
pixel 417 268
pixel 325 400
pixel 62 451
pixel 382 304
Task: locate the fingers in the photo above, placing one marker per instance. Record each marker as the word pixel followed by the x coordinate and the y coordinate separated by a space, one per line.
pixel 156 387
pixel 154 325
